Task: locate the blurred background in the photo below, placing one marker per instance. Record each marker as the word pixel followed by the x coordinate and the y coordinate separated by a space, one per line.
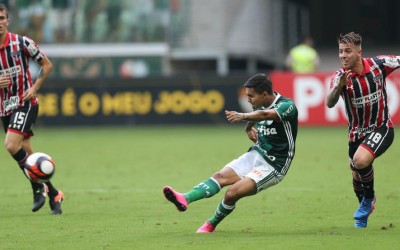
pixel 131 62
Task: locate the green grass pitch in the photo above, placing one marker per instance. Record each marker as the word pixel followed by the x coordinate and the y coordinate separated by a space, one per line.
pixel 113 177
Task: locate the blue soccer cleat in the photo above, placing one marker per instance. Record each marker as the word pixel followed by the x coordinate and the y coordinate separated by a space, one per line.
pixel 362 223
pixel 365 208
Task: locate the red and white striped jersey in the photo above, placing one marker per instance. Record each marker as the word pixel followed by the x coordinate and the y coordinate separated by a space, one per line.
pixel 14 62
pixel 365 95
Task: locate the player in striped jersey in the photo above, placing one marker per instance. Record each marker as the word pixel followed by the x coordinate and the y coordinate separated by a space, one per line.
pixel 361 82
pixel 19 104
pixel 264 165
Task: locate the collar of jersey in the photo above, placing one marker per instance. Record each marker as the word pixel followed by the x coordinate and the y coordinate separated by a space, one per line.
pixel 366 68
pixel 277 95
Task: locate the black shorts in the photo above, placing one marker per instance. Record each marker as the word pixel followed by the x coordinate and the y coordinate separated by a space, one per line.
pixel 377 142
pixel 21 120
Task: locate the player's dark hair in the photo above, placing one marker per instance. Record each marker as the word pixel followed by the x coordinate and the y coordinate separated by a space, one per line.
pixel 351 37
pixel 260 82
pixel 3 7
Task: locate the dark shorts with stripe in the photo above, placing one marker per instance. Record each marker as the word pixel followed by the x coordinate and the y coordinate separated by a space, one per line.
pixel 377 142
pixel 21 120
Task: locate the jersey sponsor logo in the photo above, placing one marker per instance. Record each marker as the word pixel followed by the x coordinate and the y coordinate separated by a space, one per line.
pixel 11 103
pixel 367 100
pixel 13 71
pixel 267 131
pixel 366 130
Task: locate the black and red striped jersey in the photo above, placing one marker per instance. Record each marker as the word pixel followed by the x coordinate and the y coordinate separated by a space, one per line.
pixel 14 62
pixel 365 95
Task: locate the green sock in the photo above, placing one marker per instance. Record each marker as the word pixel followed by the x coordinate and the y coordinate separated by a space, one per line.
pixel 222 211
pixel 205 189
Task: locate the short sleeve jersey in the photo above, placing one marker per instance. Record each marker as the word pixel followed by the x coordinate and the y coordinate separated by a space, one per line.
pixel 365 96
pixel 14 62
pixel 276 139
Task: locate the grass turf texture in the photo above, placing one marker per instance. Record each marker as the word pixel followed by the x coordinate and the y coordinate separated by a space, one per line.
pixel 112 180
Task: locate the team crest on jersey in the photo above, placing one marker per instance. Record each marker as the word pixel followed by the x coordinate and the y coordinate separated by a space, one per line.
pixel 378 79
pixel 16 54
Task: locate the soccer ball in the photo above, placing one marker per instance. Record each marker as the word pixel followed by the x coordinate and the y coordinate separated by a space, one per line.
pixel 39 167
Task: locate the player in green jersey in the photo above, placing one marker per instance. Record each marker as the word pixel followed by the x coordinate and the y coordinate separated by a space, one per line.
pixel 272 126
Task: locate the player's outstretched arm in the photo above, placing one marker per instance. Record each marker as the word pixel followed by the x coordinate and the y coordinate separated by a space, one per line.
pixel 254 116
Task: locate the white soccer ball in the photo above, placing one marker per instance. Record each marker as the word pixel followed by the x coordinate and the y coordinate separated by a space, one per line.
pixel 39 167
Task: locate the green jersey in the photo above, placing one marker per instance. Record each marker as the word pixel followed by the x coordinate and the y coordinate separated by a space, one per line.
pixel 276 140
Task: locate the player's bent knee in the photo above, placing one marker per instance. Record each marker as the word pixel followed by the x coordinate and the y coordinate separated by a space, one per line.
pixel 231 196
pixel 360 163
pixel 222 179
pixel 11 147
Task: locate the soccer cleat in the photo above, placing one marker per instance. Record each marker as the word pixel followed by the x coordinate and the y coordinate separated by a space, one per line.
pixel 373 205
pixel 176 198
pixel 207 227
pixel 39 198
pixel 362 223
pixel 365 208
pixel 55 203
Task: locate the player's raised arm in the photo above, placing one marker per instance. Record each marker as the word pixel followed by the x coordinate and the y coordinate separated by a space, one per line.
pixel 336 88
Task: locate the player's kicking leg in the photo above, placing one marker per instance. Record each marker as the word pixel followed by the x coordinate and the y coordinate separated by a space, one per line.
pixel 176 198
pixel 205 189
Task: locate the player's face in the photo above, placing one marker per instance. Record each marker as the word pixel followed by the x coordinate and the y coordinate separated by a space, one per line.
pixel 3 22
pixel 255 99
pixel 349 55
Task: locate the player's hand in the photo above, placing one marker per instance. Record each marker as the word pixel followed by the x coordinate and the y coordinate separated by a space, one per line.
pixel 5 81
pixel 344 78
pixel 234 116
pixel 252 134
pixel 29 94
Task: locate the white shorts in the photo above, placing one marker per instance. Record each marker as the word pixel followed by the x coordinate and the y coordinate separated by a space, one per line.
pixel 252 165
